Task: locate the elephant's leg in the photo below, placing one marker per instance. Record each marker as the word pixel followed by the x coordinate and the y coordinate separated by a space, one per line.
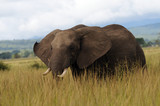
pixel 77 73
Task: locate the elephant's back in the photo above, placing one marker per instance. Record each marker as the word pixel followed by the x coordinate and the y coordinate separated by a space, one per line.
pixel 114 26
pixel 116 31
pixel 78 26
pixel 123 41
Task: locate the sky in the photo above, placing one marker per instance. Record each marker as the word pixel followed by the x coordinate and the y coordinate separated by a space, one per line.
pixel 26 19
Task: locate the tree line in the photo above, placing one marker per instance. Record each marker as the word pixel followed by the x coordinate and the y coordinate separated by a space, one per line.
pixel 24 48
pixel 147 43
pixel 17 54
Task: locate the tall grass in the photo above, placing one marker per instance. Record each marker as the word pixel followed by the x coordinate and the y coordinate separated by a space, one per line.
pixel 25 86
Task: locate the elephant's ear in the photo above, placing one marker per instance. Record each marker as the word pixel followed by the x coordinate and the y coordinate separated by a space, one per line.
pixel 94 44
pixel 43 48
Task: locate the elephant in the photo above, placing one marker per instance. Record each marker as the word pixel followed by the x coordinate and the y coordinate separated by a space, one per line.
pixel 89 48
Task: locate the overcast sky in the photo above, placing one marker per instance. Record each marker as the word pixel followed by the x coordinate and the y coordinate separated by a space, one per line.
pixel 24 19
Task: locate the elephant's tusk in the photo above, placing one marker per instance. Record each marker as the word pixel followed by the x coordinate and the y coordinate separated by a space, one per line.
pixel 48 70
pixel 64 72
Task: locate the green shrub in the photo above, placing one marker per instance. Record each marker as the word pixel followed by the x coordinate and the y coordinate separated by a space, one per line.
pixel 38 65
pixel 3 66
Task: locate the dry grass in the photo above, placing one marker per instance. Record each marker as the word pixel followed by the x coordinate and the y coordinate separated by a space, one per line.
pixel 25 86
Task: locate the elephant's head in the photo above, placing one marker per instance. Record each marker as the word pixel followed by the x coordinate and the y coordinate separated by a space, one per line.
pixel 80 44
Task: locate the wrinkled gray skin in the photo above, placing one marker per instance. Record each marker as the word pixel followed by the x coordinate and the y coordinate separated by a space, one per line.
pixel 90 48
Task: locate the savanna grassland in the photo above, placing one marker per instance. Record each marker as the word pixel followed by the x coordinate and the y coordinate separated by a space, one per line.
pixel 24 85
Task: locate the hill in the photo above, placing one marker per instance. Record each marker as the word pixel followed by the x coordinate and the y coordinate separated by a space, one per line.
pixel 151 31
pixel 10 45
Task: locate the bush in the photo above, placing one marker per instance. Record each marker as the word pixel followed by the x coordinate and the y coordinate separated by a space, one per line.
pixel 3 66
pixel 17 55
pixel 38 65
pixel 5 55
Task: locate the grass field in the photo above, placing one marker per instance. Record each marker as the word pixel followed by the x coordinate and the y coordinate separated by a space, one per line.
pixel 25 86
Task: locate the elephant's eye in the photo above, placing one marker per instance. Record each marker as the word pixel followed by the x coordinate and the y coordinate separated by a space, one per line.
pixel 71 47
pixel 51 47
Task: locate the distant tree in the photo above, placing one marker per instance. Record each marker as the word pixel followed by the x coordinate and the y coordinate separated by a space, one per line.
pixel 141 41
pixel 31 54
pixel 157 41
pixel 5 55
pixel 17 55
pixel 149 43
pixel 26 53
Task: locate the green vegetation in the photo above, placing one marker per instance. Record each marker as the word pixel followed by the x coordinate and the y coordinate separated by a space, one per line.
pixel 141 42
pixel 38 65
pixel 17 54
pixel 16 49
pixel 24 85
pixel 3 66
pixel 5 55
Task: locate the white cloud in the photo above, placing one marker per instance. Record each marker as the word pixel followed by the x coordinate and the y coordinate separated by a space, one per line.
pixel 20 19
